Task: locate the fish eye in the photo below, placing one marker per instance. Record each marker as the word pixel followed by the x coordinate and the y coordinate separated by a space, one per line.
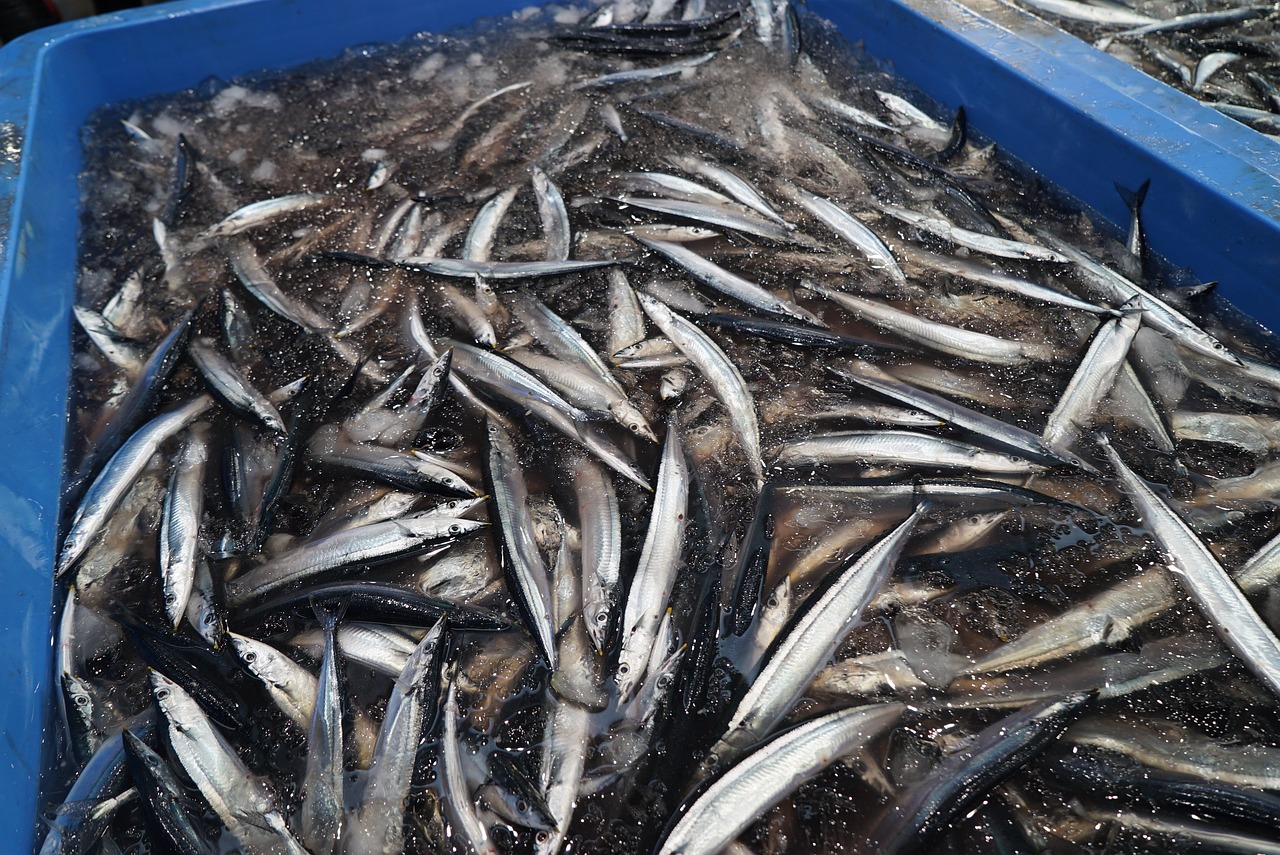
pixel 455 528
pixel 664 682
pixel 162 694
pixel 250 656
pixel 82 700
pixel 635 428
pixel 170 596
pixel 623 669
pixel 541 837
pixel 602 617
pixel 522 806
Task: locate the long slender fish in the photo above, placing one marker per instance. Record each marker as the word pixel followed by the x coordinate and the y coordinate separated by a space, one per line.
pixel 231 387
pixel 1091 381
pixel 723 376
pixel 466 269
pixel 322 780
pixel 945 338
pixel 926 809
pixel 361 546
pixel 986 274
pixel 1156 312
pixel 746 292
pixel 115 479
pixel 626 318
pixel 563 341
pixel 655 575
pixel 1092 13
pixel 165 797
pixel 1177 748
pixel 733 184
pixel 526 571
pixel 564 753
pixel 898 448
pixel 1197 20
pixel 1107 618
pixel 180 527
pixel 1217 595
pixel 259 213
pixel 988 244
pixel 241 802
pixel 734 218
pixel 484 228
pixel 854 231
pixel 376 826
pixel 555 218
pixel 457 796
pixel 601 522
pixel 766 776
pixel 506 377
pixel 1011 436
pixel 584 389
pixel 808 642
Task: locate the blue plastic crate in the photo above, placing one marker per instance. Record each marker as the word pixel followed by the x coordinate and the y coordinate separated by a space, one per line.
pixel 1082 119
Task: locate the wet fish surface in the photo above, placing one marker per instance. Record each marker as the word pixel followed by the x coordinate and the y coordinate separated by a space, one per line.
pixel 648 428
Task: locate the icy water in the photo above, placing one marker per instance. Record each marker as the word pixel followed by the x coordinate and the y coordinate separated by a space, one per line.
pixel 680 456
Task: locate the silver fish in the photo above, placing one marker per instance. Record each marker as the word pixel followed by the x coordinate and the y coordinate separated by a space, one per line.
pixel 484 228
pixel 813 635
pixel 367 544
pixel 376 825
pixel 898 448
pixel 118 475
pixel 458 802
pixel 180 526
pixel 601 522
pixel 723 376
pixel 733 184
pixel 1213 590
pixel 747 293
pixel 854 231
pixel 988 244
pixel 945 338
pixel 464 269
pixel 655 576
pixel 1091 381
pixel 527 572
pixel 555 218
pixel 322 780
pixel 243 805
pixel 766 776
pixel 230 385
pixel 259 213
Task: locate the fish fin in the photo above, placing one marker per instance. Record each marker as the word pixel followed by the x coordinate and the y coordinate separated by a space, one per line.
pixel 1133 199
pixel 956 142
pixel 1192 291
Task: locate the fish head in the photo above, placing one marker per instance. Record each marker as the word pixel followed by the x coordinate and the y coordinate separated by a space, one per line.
pixel 633 662
pixel 630 417
pixel 598 617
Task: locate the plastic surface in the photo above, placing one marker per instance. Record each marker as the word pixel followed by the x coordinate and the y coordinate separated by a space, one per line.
pixel 1083 122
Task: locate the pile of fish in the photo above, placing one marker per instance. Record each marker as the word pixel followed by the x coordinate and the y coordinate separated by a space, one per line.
pixel 1225 53
pixel 646 429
